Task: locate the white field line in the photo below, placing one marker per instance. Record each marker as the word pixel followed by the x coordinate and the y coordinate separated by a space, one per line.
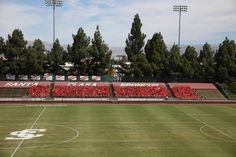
pixel 210 115
pixel 205 124
pixel 203 132
pixel 30 128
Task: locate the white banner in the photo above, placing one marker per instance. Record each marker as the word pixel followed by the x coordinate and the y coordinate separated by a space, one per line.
pixel 10 77
pixel 35 77
pixel 84 78
pixel 72 78
pixel 23 77
pixel 60 77
pixel 96 78
pixel 47 77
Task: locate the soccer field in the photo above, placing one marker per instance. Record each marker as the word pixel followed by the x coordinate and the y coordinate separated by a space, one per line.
pixel 98 130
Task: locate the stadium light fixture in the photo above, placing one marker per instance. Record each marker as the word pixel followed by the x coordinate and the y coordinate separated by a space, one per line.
pixel 180 9
pixel 54 4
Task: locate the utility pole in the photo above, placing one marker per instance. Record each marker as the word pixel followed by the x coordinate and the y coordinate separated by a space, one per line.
pixel 180 9
pixel 54 4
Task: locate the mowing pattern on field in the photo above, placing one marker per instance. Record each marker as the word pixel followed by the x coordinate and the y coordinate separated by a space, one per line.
pixel 120 130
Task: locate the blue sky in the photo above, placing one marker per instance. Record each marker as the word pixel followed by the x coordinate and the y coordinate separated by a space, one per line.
pixel 206 20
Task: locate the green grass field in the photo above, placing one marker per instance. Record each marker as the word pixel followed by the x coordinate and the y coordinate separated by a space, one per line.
pixel 118 130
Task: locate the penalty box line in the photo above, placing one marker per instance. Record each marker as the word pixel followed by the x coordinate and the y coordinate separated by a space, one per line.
pixel 21 142
pixel 210 126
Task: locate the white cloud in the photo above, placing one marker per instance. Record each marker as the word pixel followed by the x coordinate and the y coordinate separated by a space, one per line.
pixel 206 20
pixel 19 16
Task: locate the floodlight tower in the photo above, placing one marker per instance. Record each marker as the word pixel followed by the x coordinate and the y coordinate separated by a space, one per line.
pixel 54 4
pixel 180 9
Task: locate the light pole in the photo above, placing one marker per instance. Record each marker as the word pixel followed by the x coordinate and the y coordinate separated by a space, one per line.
pixel 54 4
pixel 180 9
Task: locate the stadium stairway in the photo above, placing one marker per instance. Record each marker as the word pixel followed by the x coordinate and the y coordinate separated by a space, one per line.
pixel 51 88
pixel 169 89
pixel 113 95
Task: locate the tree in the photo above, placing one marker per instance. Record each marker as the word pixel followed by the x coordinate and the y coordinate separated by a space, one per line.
pixel 142 67
pixel 157 55
pixel 190 63
pixel 134 50
pixel 2 62
pixel 100 55
pixel 226 59
pixel 135 40
pixel 206 61
pixel 2 44
pixel 175 62
pixel 78 53
pixel 222 74
pixel 36 58
pixel 15 52
pixel 55 58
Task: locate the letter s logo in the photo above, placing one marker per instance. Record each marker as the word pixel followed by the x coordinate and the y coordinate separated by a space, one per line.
pixel 25 134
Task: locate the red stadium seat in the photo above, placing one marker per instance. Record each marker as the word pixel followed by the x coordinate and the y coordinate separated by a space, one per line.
pixel 38 91
pixel 78 90
pixel 184 92
pixel 141 91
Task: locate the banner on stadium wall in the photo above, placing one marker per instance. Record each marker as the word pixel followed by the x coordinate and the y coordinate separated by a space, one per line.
pixel 60 77
pixel 82 84
pixel 96 78
pixel 23 77
pixel 83 78
pixel 47 77
pixel 72 78
pixel 35 77
pixel 10 77
pixel 138 84
pixel 22 84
